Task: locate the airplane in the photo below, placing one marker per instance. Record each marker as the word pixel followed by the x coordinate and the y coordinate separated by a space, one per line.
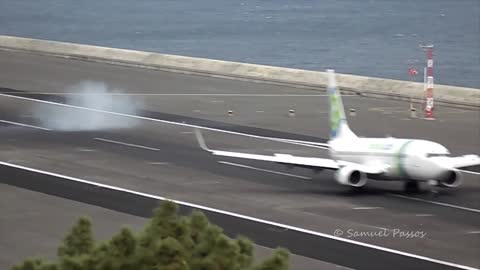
pixel 356 160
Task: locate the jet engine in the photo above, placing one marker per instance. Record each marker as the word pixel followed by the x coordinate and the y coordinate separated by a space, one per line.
pixel 350 176
pixel 451 179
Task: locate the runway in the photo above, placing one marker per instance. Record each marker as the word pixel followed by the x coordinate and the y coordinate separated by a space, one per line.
pixel 164 159
pixel 46 219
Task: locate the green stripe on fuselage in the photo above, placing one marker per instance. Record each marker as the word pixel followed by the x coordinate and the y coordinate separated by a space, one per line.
pixel 400 155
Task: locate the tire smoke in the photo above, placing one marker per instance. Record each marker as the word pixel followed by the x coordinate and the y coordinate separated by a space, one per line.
pixel 94 95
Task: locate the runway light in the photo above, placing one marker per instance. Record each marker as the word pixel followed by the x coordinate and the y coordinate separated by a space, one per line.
pixel 291 113
pixel 413 113
pixel 353 112
pixel 230 112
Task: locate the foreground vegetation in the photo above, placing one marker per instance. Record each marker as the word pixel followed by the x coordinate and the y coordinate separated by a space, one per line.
pixel 169 241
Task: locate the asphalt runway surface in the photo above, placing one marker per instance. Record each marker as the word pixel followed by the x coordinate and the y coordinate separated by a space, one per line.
pixel 165 159
pixel 46 219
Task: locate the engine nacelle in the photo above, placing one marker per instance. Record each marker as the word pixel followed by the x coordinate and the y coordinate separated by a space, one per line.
pixel 351 177
pixel 451 179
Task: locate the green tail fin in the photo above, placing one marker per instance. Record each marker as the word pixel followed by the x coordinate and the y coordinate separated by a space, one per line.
pixel 338 121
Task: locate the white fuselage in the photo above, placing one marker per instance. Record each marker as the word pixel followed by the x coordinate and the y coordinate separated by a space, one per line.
pixel 404 159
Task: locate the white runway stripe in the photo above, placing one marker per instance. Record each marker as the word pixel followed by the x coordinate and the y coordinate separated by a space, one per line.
pixel 158 163
pixel 424 215
pixel 263 170
pixel 184 94
pixel 316 145
pixel 127 144
pixel 24 125
pixel 437 203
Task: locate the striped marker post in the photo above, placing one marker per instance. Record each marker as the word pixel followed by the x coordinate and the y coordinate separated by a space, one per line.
pixel 429 91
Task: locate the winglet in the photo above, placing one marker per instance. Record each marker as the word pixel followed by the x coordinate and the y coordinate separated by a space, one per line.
pixel 201 140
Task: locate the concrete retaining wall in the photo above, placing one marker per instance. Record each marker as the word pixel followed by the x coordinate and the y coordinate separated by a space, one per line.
pixel 451 95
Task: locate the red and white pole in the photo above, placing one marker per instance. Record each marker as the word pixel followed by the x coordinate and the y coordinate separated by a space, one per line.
pixel 429 91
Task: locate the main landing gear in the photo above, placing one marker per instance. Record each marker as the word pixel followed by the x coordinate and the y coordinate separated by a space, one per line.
pixel 414 187
pixel 411 187
pixel 433 185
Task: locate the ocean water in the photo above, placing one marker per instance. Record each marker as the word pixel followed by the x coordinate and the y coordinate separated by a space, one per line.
pixel 377 38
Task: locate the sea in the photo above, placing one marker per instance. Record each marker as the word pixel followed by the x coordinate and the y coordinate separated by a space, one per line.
pixel 378 38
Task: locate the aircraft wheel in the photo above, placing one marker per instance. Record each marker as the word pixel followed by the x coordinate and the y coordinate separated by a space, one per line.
pixel 412 187
pixel 355 190
pixel 433 185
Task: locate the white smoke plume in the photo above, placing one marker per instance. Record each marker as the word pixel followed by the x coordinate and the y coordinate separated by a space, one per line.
pixel 94 95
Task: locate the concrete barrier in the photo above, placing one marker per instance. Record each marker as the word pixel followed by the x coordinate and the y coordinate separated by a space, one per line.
pixel 368 86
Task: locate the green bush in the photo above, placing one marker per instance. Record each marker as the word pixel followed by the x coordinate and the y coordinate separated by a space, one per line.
pixel 168 242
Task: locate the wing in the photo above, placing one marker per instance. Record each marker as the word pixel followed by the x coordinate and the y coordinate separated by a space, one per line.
pixel 370 168
pixel 306 162
pixel 460 161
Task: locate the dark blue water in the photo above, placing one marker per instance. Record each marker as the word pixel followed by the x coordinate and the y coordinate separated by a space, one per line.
pixel 374 38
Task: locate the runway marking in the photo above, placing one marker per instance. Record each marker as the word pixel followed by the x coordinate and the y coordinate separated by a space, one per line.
pixel 196 111
pixel 404 110
pixel 303 143
pixel 201 183
pixel 367 208
pixel 245 217
pixel 127 144
pixel 24 125
pixel 158 163
pixel 260 111
pixel 179 94
pixel 277 230
pixel 87 150
pixel 295 142
pixel 186 132
pixel 437 203
pixel 474 232
pixel 387 109
pixel 16 160
pixel 424 215
pixel 263 170
pixel 470 172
